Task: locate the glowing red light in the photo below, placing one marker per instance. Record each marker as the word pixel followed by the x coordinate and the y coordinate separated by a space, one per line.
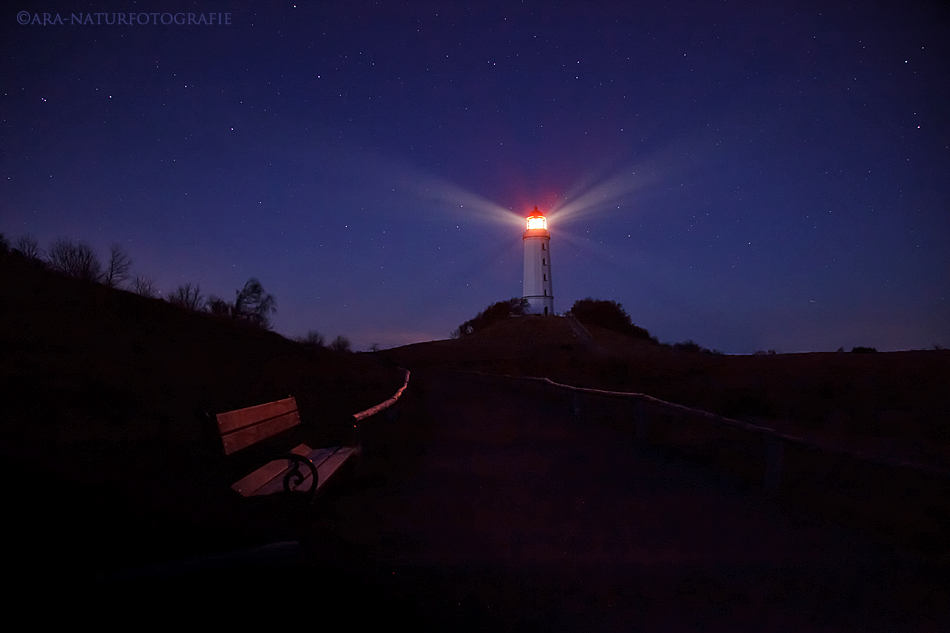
pixel 537 220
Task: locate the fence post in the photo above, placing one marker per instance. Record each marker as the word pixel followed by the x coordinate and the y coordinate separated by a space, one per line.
pixel 774 449
pixel 640 417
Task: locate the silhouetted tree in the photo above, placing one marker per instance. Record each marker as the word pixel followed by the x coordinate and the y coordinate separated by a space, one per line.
pixel 28 248
pixel 186 296
pixel 312 338
pixel 340 344
pixel 609 315
pixel 118 269
pixel 76 260
pixel 689 346
pixel 219 307
pixel 497 311
pixel 695 348
pixel 253 306
pixel 143 286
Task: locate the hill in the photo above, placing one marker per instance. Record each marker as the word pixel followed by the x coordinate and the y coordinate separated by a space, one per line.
pixel 895 402
pixel 104 395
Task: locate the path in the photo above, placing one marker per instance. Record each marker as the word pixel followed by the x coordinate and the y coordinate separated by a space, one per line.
pixel 518 517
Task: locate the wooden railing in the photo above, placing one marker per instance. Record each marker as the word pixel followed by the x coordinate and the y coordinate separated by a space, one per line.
pixel 385 404
pixel 775 439
pixel 774 442
pixel 905 502
pixel 382 406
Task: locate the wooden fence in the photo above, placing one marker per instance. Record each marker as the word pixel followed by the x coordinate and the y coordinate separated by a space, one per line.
pixel 897 497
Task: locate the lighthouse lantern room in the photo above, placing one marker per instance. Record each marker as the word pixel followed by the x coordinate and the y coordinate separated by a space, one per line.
pixel 537 265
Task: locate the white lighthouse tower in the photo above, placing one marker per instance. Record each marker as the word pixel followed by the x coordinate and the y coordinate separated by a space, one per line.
pixel 537 265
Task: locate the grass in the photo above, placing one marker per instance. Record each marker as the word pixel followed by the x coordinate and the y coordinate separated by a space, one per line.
pixel 109 461
pixel 896 400
pixel 104 398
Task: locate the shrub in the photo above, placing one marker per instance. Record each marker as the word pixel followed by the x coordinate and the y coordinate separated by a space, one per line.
pixel 143 286
pixel 689 346
pixel 863 350
pixel 313 338
pixel 252 306
pixel 497 311
pixel 28 248
pixel 340 344
pixel 187 297
pixel 218 307
pixel 609 315
pixel 76 260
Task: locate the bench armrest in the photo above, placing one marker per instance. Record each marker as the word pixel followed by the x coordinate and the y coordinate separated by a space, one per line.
pixel 294 477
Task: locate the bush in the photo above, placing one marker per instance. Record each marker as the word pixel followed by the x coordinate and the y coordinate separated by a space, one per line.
pixel 313 338
pixel 863 350
pixel 28 248
pixel 340 344
pixel 186 296
pixel 689 346
pixel 218 307
pixel 76 260
pixel 143 286
pixel 252 306
pixel 498 311
pixel 609 315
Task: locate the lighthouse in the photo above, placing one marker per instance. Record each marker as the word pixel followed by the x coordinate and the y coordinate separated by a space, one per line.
pixel 537 265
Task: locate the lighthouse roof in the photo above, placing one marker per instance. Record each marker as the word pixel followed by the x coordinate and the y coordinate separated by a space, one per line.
pixel 537 220
pixel 536 214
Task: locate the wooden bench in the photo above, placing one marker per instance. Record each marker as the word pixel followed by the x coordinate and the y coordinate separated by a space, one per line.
pixel 303 470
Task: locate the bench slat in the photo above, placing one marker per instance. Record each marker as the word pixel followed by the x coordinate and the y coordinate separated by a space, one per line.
pixel 253 482
pixel 269 478
pixel 332 464
pixel 276 483
pixel 242 438
pixel 231 421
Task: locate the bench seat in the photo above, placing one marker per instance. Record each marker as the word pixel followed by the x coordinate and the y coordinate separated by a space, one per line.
pixel 243 428
pixel 269 478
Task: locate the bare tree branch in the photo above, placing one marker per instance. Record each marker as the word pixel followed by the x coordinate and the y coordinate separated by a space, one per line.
pixel 28 247
pixel 118 269
pixel 143 286
pixel 186 296
pixel 76 260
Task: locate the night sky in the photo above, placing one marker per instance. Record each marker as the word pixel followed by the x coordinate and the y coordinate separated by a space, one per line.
pixel 746 177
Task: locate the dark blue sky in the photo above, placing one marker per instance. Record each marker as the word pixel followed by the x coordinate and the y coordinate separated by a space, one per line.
pixel 746 177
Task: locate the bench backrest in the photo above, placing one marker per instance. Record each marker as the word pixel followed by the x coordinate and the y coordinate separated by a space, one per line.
pixel 245 427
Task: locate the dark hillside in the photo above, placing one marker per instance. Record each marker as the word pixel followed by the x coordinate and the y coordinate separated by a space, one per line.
pixel 102 397
pixel 512 343
pixel 894 401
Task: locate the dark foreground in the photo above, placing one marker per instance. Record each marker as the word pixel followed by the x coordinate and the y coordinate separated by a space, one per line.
pixel 486 508
pixel 512 516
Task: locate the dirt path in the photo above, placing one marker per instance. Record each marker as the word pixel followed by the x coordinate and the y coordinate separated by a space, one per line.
pixel 517 517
